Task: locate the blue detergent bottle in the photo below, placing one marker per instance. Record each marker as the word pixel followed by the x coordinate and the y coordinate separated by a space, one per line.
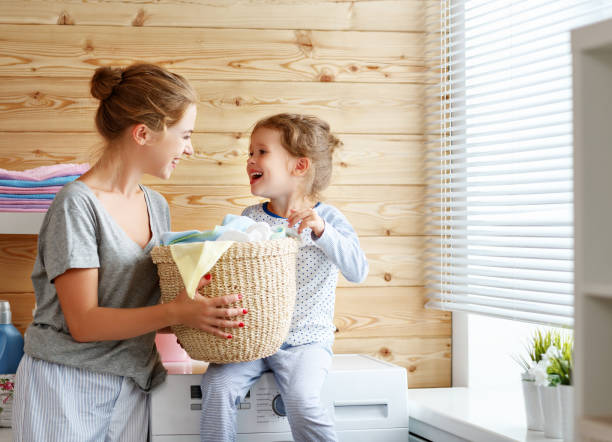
pixel 11 341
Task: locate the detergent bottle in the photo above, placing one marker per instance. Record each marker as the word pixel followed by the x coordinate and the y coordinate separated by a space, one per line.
pixel 11 341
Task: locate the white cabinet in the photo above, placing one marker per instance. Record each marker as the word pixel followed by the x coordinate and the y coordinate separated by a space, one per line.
pixel 592 89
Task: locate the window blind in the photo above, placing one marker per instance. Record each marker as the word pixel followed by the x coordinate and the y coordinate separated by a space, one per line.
pixel 498 118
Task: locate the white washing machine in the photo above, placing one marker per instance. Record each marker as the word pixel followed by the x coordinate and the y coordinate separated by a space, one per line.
pixel 367 398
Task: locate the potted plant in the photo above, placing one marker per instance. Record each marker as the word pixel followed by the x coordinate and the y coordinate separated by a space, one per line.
pixel 549 394
pixel 560 374
pixel 535 348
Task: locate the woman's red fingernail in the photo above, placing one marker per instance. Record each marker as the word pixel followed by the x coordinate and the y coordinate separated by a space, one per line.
pixel 241 324
pixel 229 336
pixel 239 296
pixel 207 276
pixel 244 311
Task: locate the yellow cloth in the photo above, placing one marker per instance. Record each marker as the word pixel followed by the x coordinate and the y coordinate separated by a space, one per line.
pixel 195 259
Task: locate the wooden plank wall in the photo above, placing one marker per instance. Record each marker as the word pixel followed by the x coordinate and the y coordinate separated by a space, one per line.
pixel 358 64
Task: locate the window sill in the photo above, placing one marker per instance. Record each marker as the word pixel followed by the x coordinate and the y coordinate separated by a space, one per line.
pixel 472 414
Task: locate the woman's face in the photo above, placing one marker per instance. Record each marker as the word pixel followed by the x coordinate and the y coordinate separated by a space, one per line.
pixel 167 148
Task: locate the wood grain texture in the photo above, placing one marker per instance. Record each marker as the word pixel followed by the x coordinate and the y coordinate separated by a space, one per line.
pixel 372 210
pixel 17 256
pixel 220 158
pixel 359 64
pixel 364 312
pixel 22 305
pixel 64 105
pixel 427 360
pixel 385 15
pixel 215 54
pixel 394 262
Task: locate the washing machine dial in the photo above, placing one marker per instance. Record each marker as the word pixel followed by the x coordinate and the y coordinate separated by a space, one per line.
pixel 278 406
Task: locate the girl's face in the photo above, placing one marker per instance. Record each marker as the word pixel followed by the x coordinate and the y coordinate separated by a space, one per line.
pixel 166 148
pixel 270 166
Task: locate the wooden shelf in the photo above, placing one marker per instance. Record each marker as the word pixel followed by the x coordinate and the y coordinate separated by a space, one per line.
pixel 25 223
pixel 595 428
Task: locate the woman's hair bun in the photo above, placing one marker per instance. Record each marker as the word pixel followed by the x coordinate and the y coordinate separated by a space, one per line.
pixel 104 80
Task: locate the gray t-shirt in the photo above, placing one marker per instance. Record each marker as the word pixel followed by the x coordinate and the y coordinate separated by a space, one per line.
pixel 78 232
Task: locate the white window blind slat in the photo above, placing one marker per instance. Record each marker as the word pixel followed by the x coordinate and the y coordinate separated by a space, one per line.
pixel 474 154
pixel 498 122
pixel 433 254
pixel 524 242
pixel 548 233
pixel 514 305
pixel 514 140
pixel 531 264
pixel 503 313
pixel 562 187
pixel 533 275
pixel 522 295
pixel 434 182
pixel 514 284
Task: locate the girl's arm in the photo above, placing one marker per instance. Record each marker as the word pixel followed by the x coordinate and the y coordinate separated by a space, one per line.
pixel 77 290
pixel 336 237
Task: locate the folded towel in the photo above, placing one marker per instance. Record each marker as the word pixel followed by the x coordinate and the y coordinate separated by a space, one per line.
pixel 234 235
pixel 194 260
pixel 57 181
pixel 12 207
pixel 237 222
pixel 11 202
pixel 259 231
pixel 26 190
pixel 169 238
pixel 44 172
pixel 23 209
pixel 27 196
pixel 234 228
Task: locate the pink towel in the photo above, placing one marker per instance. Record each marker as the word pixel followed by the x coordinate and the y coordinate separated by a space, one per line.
pixel 23 209
pixel 17 201
pixel 26 190
pixel 44 172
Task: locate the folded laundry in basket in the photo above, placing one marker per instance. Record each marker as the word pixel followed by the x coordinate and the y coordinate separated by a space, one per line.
pixel 196 252
pixel 194 260
pixel 233 228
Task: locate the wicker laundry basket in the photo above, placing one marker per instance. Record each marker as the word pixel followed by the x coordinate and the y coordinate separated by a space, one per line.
pixel 264 273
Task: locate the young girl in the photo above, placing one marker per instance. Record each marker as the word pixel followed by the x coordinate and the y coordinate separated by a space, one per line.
pixel 90 357
pixel 290 162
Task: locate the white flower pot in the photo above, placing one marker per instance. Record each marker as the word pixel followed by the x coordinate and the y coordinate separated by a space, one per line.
pixel 566 394
pixel 551 409
pixel 533 406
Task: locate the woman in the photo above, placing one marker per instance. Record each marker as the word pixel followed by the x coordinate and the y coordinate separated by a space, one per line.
pixel 90 357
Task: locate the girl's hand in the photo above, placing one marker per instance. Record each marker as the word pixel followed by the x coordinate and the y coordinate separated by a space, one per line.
pixel 309 218
pixel 208 314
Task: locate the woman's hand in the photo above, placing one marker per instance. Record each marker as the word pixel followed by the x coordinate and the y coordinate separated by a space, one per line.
pixel 309 218
pixel 208 314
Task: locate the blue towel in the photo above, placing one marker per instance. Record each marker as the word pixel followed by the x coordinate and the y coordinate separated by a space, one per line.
pixel 31 196
pixel 57 181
